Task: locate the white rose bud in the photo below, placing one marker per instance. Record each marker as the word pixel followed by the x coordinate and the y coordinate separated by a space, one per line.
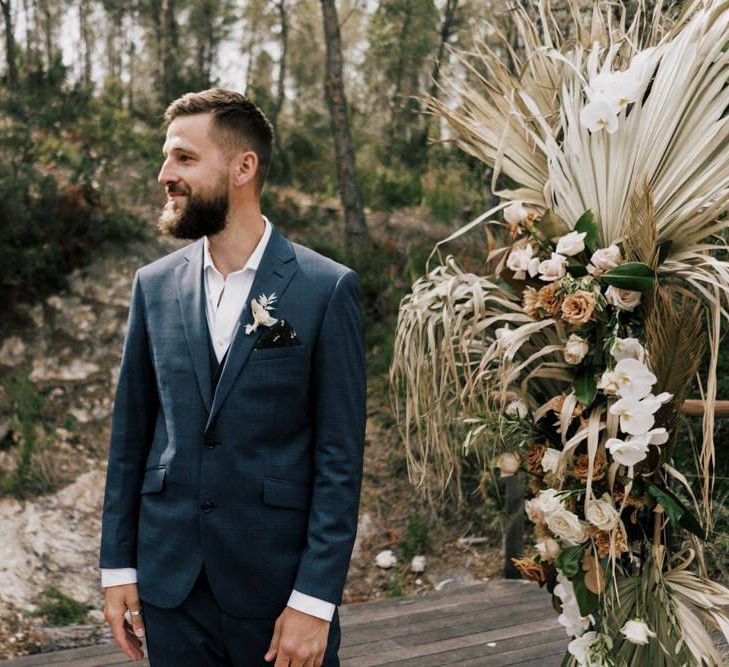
pixel 623 299
pixel 602 513
pixel 604 259
pixel 553 268
pixel 575 349
pixel 385 559
pixel 515 213
pixel 637 631
pixel 517 408
pixel 568 526
pixel 571 244
pixel 627 348
pixel 508 464
pixel 548 548
pixel 417 564
pixel 550 460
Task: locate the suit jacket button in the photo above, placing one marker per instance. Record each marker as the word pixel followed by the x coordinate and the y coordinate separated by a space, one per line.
pixel 206 506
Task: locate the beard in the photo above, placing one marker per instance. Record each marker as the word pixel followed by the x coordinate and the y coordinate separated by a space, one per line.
pixel 202 216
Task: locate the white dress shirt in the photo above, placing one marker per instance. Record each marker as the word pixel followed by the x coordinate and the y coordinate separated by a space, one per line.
pixel 224 300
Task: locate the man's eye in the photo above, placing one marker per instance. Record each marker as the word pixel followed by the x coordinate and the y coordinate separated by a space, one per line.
pixel 185 158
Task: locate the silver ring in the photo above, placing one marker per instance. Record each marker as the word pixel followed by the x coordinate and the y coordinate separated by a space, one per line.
pixel 136 613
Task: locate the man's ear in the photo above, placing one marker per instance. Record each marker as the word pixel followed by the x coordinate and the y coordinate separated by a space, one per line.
pixel 246 167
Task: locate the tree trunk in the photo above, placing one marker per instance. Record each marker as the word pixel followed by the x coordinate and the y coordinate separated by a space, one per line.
pixel 355 227
pixel 86 39
pixel 281 90
pixel 10 56
pixel 168 39
pixel 446 30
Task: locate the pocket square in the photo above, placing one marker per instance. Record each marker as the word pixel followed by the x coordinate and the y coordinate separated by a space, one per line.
pixel 280 334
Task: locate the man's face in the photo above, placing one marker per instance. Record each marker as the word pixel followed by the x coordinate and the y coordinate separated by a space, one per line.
pixel 195 177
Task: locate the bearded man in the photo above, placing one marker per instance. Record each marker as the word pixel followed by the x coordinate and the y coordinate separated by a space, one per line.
pixel 235 460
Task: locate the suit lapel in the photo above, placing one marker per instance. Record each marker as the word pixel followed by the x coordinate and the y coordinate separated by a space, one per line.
pixel 191 295
pixel 274 273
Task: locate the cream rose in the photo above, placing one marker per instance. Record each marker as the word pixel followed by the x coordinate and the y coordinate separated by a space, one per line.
pixel 550 460
pixel 604 259
pixel 515 213
pixel 567 525
pixel 553 268
pixel 578 307
pixel 571 244
pixel 508 464
pixel 543 505
pixel 637 631
pixel 623 299
pixel 602 513
pixel 548 548
pixel 575 349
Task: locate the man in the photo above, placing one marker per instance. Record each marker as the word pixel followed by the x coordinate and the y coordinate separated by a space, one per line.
pixel 235 459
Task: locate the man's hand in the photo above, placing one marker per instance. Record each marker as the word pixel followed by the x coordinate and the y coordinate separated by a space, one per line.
pixel 118 601
pixel 299 640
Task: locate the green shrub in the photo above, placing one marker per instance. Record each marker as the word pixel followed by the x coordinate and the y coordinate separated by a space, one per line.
pixel 59 609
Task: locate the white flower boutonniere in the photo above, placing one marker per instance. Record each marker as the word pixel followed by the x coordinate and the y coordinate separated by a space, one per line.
pixel 261 315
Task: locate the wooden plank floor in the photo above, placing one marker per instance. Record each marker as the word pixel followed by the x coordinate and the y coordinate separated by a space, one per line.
pixel 500 622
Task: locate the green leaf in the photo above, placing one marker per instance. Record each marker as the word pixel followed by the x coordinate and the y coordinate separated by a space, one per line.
pixel 577 271
pixel 585 385
pixel 568 560
pixel 586 599
pixel 635 276
pixel 676 511
pixel 587 223
pixel 551 225
pixel 663 250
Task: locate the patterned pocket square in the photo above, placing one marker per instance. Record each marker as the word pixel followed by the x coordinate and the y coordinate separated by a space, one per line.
pixel 280 334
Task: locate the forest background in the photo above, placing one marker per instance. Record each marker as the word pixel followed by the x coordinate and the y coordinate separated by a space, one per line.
pixel 360 173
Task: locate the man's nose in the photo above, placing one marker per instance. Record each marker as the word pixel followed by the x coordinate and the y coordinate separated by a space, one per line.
pixel 166 176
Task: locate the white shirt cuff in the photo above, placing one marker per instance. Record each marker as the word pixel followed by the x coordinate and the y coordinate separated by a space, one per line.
pixel 116 576
pixel 311 605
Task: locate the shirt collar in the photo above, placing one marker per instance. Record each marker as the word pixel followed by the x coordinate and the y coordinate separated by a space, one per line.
pixel 255 258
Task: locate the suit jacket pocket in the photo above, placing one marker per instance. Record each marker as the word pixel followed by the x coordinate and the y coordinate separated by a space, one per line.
pixel 154 480
pixel 284 493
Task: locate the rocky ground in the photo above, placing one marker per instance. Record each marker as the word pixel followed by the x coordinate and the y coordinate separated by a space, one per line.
pixel 67 350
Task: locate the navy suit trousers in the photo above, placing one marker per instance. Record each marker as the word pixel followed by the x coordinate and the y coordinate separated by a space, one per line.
pixel 199 634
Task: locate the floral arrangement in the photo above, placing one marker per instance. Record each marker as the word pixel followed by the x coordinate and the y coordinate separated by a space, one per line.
pixel 571 354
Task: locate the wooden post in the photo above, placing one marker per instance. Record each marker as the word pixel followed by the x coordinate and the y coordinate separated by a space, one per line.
pixel 513 523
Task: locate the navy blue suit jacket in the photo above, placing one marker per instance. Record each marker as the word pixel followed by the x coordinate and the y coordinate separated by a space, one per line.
pixel 259 481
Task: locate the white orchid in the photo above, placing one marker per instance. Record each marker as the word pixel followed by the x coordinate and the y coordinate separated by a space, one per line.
pixel 608 383
pixel 571 244
pixel 634 379
pixel 599 114
pixel 579 647
pixel 636 416
pixel 573 621
pixel 627 452
pixel 627 348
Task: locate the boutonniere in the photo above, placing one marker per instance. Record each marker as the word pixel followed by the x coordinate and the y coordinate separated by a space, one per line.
pixel 261 315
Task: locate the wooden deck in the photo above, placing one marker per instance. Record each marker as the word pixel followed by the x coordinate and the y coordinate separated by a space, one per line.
pixel 500 622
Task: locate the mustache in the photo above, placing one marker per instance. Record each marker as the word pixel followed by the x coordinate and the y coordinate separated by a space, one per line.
pixel 177 189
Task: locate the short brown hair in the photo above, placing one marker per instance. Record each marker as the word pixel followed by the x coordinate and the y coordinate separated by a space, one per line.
pixel 237 123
